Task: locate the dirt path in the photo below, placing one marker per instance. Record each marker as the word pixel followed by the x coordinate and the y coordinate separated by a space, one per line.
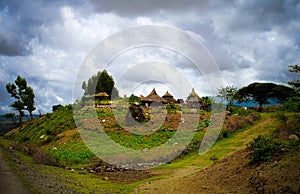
pixel 9 183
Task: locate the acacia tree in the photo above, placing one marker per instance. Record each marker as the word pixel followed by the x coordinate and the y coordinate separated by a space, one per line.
pixel 228 93
pixel 262 92
pixel 24 96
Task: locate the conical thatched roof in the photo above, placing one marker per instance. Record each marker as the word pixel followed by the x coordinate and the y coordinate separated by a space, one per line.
pixel 193 97
pixel 102 94
pixel 168 98
pixel 152 97
pixel 167 94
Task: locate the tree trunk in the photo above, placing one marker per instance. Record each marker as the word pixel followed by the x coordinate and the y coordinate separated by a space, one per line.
pixel 260 108
pixel 20 117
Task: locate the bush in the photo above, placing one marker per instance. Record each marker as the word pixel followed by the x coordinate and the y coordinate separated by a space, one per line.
pixel 134 99
pixel 172 108
pixel 262 149
pixel 240 111
pixel 224 134
pixel 292 104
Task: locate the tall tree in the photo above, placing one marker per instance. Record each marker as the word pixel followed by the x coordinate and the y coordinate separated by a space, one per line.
pixel 295 83
pixel 262 92
pixel 28 99
pixel 227 93
pixel 101 82
pixel 24 96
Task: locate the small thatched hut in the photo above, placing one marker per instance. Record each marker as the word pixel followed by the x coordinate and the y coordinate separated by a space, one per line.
pixel 101 96
pixel 193 100
pixel 168 98
pixel 152 97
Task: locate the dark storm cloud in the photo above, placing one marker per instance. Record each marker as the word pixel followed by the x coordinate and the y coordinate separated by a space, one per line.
pixel 45 41
pixel 265 14
pixel 19 21
pixel 146 7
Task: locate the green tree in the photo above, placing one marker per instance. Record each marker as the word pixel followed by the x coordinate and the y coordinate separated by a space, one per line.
pixel 295 83
pixel 28 99
pixel 101 82
pixel 262 92
pixel 227 93
pixel 24 96
pixel 134 99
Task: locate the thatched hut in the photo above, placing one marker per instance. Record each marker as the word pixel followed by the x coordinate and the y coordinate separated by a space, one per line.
pixel 168 98
pixel 193 100
pixel 152 97
pixel 101 96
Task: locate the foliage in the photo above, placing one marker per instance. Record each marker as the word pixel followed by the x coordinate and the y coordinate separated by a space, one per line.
pixel 70 153
pixel 262 149
pixel 228 93
pixel 101 82
pixel 172 108
pixel 204 124
pixel 289 123
pixel 223 134
pixel 24 96
pixel 56 107
pixel 48 127
pixel 235 122
pixel 134 99
pixel 292 104
pixel 11 116
pixel 206 103
pixel 214 158
pixel 295 83
pixel 237 110
pixel 262 92
pixel 135 141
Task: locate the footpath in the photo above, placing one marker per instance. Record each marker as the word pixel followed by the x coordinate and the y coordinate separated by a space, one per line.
pixel 9 183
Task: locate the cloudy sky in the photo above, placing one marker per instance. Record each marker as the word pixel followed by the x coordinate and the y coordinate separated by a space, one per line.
pixel 47 42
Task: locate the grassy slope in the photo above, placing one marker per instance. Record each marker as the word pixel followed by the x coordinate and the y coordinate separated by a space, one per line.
pixel 57 131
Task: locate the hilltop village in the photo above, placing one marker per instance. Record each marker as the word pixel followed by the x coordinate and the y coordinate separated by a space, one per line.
pixel 192 101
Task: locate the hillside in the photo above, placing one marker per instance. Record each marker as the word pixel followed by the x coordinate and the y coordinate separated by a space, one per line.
pixel 52 147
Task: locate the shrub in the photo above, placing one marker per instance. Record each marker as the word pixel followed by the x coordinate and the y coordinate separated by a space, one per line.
pixel 204 124
pixel 172 108
pixel 214 158
pixel 237 110
pixel 292 104
pixel 134 99
pixel 224 134
pixel 262 148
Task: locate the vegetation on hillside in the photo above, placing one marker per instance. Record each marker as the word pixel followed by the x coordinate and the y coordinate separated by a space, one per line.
pixel 24 97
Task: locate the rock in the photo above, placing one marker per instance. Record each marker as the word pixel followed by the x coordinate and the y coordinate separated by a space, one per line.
pixel 293 137
pixel 193 110
pixel 135 113
pixel 81 172
pixel 105 178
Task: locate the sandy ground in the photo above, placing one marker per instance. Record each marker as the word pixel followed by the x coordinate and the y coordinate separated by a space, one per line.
pixel 9 184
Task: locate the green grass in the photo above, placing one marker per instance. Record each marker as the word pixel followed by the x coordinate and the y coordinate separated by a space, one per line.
pixel 139 142
pixel 74 153
pixel 70 153
pixel 227 146
pixel 48 127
